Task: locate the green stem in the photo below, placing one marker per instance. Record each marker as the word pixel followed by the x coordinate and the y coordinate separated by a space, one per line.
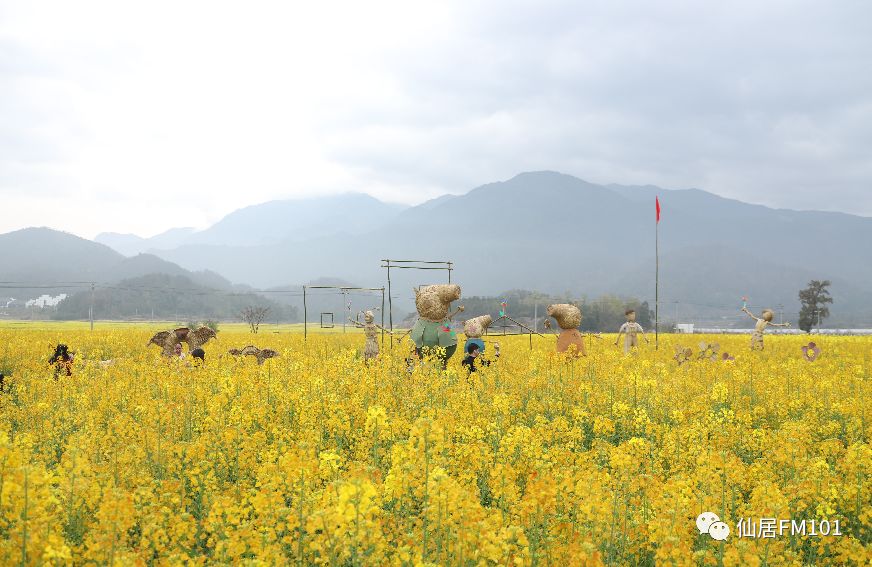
pixel 24 535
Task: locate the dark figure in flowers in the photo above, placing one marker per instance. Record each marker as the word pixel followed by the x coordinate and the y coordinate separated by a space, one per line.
pixel 473 353
pixel 199 354
pixel 62 360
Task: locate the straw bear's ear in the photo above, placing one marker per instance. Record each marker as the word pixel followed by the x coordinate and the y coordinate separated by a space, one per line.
pixel 449 292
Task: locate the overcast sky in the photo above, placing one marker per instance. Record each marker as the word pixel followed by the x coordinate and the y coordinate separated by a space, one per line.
pixel 139 117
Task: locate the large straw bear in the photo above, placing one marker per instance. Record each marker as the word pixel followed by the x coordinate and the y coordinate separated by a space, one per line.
pixel 568 318
pixel 433 327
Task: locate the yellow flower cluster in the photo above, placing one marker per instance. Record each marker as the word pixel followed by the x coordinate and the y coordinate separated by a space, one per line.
pixel 318 458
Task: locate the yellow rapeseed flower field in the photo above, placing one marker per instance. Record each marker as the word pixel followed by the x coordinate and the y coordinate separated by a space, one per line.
pixel 316 458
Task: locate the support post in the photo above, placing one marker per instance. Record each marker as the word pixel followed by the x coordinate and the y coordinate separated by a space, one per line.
pixel 657 283
pixel 390 302
pixel 383 321
pixel 345 312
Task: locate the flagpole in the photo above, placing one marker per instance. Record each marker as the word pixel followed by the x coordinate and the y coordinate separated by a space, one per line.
pixel 657 277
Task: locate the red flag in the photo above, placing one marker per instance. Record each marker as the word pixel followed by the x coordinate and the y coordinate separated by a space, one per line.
pixel 657 204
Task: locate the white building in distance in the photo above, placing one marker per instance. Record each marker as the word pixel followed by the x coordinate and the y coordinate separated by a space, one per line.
pixel 45 301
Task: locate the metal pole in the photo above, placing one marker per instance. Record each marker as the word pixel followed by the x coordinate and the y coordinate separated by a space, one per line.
pixel 383 321
pixel 449 272
pixel 344 309
pixel 657 285
pixel 305 316
pixel 91 309
pixel 390 302
pixel 535 317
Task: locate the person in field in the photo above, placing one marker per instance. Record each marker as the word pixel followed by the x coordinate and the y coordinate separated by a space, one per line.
pixel 472 353
pixel 762 322
pixel 62 360
pixel 630 330
pixel 474 329
pixel 178 352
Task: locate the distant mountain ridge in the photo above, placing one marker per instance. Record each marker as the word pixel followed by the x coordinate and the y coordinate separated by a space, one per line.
pixel 45 256
pixel 555 233
pixel 164 296
pixel 131 244
pixel 288 220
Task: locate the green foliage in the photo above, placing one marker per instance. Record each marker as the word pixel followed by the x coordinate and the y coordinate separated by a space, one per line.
pixel 603 314
pixel 521 304
pixel 607 313
pixel 814 299
pixel 194 324
pixel 167 297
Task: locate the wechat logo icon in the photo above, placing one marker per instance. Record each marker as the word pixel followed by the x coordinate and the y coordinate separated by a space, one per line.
pixel 711 524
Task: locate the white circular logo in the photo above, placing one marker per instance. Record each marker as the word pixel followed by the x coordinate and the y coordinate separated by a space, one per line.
pixel 705 520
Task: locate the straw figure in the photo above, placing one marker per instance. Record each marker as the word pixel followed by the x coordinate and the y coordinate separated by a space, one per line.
pixel 370 330
pixel 474 329
pixel 762 322
pixel 260 354
pixel 568 318
pixel 433 327
pixel 168 340
pixel 630 330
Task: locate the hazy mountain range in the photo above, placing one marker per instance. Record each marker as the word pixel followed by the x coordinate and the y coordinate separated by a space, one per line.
pixel 43 256
pixel 274 222
pixel 543 231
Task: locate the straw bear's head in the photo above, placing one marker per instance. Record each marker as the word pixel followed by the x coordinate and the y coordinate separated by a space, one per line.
pixel 434 301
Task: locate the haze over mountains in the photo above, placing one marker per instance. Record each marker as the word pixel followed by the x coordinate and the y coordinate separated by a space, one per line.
pixel 37 261
pixel 45 256
pixel 274 222
pixel 548 232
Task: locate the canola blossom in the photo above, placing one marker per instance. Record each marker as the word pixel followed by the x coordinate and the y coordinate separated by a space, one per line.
pixel 315 458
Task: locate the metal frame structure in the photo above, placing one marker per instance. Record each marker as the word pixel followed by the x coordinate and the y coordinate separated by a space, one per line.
pixel 343 290
pixel 529 332
pixel 410 265
pixel 332 320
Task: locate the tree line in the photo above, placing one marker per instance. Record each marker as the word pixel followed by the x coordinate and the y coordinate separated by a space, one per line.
pixel 163 296
pixel 604 314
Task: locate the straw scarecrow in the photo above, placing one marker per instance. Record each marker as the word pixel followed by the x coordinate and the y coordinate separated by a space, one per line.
pixel 432 332
pixel 568 318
